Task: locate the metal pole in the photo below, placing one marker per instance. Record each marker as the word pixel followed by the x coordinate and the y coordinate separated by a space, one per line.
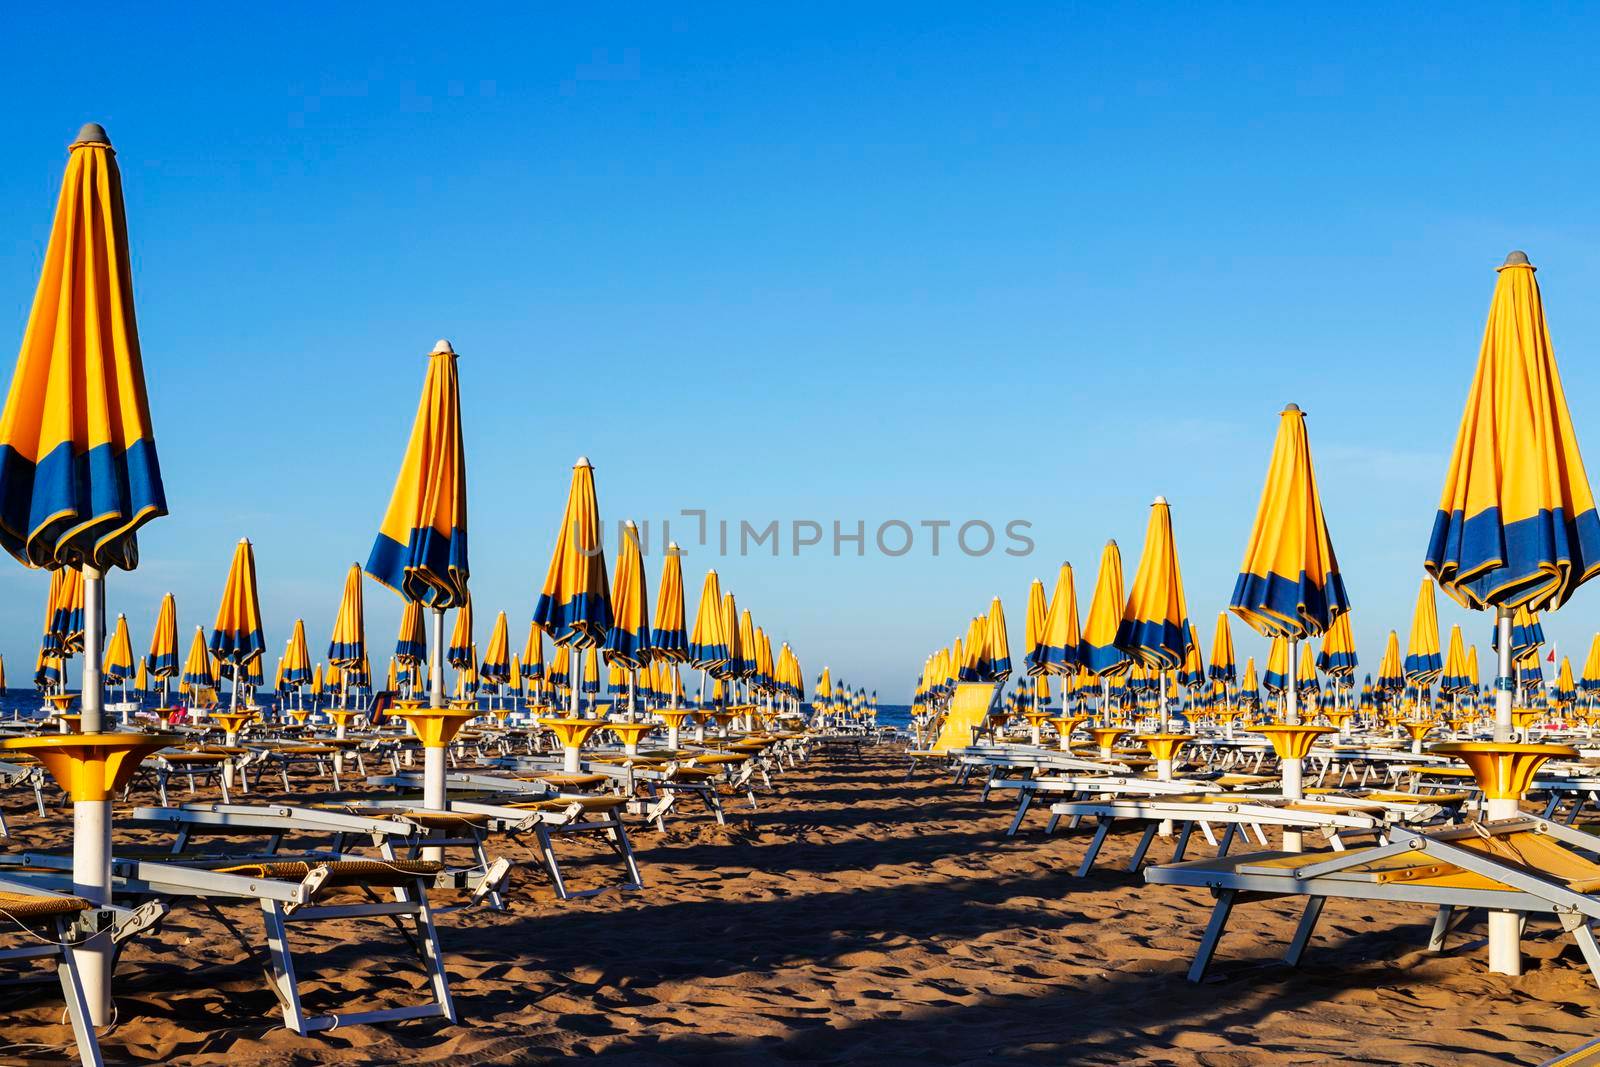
pixel 93 633
pixel 1503 684
pixel 436 662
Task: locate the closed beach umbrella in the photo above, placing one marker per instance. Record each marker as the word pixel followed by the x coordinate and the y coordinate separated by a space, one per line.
pixel 1098 653
pixel 1338 656
pixel 670 638
pixel 1275 679
pixel 496 665
pixel 411 645
pixel 236 638
pixel 734 667
pixel 533 669
pixel 64 619
pixel 1391 670
pixel 348 647
pixel 462 653
pixel 1423 663
pixel 163 657
pixel 1060 642
pixel 1033 629
pixel 78 469
pixel 1154 631
pixel 1306 675
pixel 1222 667
pixel 708 649
pixel 574 605
pixel 1193 672
pixel 1516 524
pixel 591 670
pixel 119 653
pixel 1249 687
pixel 197 668
pixel 1566 692
pixel 297 668
pixel 421 548
pixel 1454 677
pixel 999 643
pixel 561 667
pixel 628 641
pixel 1590 681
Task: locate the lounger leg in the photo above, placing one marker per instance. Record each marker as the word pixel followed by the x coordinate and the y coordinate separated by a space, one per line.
pixel 161 789
pixel 1583 934
pixel 624 846
pixel 432 957
pixel 1213 934
pixel 1022 809
pixel 1094 848
pixel 1227 839
pixel 550 863
pixel 1183 841
pixel 77 1005
pixel 294 1017
pixel 1050 827
pixel 1302 933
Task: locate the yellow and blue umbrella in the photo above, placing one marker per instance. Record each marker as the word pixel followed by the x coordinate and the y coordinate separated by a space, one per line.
pixel 1289 582
pixel 1516 522
pixel 197 669
pixel 708 648
pixel 574 606
pixel 1275 679
pixel 348 646
pixel 1098 654
pixel 236 638
pixel 1306 675
pixel 1423 664
pixel 1033 629
pixel 297 668
pixel 163 657
pixel 1192 674
pixel 411 646
pixel 561 667
pixel 48 672
pixel 421 548
pixel 119 653
pixel 670 637
pixel 591 670
pixel 628 639
pixel 1338 656
pixel 1060 642
pixel 999 644
pixel 64 619
pixel 496 667
pixel 1222 667
pixel 749 649
pixel 1589 682
pixel 1454 677
pixel 975 665
pixel 1249 687
pixel 730 632
pixel 462 653
pixel 1391 670
pixel 1566 692
pixel 141 681
pixel 1155 623
pixel 78 469
pixel 1527 633
pixel 533 654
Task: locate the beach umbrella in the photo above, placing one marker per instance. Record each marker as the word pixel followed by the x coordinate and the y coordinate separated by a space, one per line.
pixel 1249 688
pixel 1154 630
pixel 348 647
pixel 48 672
pixel 78 469
pixel 999 643
pixel 317 675
pixel 533 657
pixel 496 665
pixel 297 669
pixel 1275 679
pixel 670 637
pixel 1033 629
pixel 1516 524
pixel 1454 677
pixel 392 681
pixel 1306 675
pixel 561 667
pixel 163 657
pixel 574 606
pixel 141 680
pixel 198 672
pixel 1222 668
pixel 1526 632
pixel 64 615
pixel 1423 664
pixel 236 638
pixel 1060 643
pixel 1590 681
pixel 119 654
pixel 421 548
pixel 749 648
pixel 1391 671
pixel 708 648
pixel 1338 656
pixel 411 646
pixel 1566 692
pixel 591 671
pixel 1472 667
pixel 730 631
pixel 1192 672
pixel 462 652
pixel 1289 584
pixel 1098 652
pixel 628 641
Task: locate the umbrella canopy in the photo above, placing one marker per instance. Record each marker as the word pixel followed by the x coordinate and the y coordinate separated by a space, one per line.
pixel 708 648
pixel 1306 675
pixel 1192 673
pixel 163 658
pixel 1566 692
pixel 1516 523
pixel 1454 678
pixel 1423 664
pixel 515 679
pixel 1098 653
pixel 975 664
pixel 141 680
pixel 197 669
pixel 1155 623
pixel 496 666
pixel 63 618
pixel 1472 668
pixel 591 670
pixel 421 548
pixel 1391 672
pixel 48 672
pixel 297 669
pixel 1276 677
pixel 561 667
pixel 628 639
pixel 1527 633
pixel 533 654
pixel 1222 668
pixel 1060 647
pixel 411 646
pixel 734 667
pixel 78 469
pixel 1338 656
pixel 391 683
pixel 349 644
pixel 1250 688
pixel 1590 681
pixel 236 638
pixel 670 637
pixel 574 606
pixel 1033 629
pixel 749 646
pixel 463 651
pixel 1289 581
pixel 119 653
pixel 999 644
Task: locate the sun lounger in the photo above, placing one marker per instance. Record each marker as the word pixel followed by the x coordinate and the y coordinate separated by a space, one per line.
pixel 968 712
pixel 1527 864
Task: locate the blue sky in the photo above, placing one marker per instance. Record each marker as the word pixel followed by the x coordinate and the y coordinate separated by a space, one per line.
pixel 853 262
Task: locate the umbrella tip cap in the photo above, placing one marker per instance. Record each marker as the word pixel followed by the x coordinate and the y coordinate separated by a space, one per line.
pixel 1517 258
pixel 442 347
pixel 1290 407
pixel 583 461
pixel 92 133
pixel 1159 500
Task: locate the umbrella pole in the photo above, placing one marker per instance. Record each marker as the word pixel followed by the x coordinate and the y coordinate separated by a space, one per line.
pixel 91 819
pixel 436 662
pixel 1502 682
pixel 1289 769
pixel 94 603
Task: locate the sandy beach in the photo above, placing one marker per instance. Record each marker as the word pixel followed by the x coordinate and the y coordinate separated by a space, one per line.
pixel 856 917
